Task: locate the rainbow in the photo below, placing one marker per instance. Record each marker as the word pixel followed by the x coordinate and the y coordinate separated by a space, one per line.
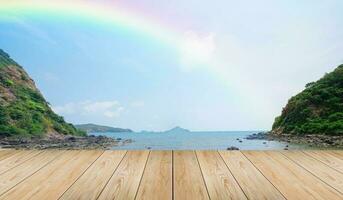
pixel 107 15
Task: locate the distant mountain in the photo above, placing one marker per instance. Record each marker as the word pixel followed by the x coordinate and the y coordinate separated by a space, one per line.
pixel 316 110
pixel 177 129
pixel 89 128
pixel 23 109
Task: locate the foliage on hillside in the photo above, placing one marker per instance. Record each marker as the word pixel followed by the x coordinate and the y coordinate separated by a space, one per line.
pixel 23 110
pixel 316 110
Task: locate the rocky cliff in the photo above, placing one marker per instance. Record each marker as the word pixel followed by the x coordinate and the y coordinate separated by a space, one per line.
pixel 23 109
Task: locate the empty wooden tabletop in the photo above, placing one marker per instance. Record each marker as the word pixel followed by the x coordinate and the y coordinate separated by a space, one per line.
pixel 97 174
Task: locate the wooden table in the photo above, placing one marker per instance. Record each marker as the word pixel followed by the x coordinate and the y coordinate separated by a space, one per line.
pixel 96 174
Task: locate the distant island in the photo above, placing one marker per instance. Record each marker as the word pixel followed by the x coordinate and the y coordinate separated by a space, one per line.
pixel 177 129
pixel 91 128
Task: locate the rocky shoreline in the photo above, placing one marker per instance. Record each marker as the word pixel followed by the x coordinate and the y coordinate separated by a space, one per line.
pixel 66 142
pixel 319 141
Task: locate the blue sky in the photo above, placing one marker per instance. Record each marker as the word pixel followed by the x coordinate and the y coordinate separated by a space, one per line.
pixel 252 57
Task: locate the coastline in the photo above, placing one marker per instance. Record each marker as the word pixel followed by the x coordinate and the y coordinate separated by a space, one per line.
pixel 68 142
pixel 311 140
pixel 64 142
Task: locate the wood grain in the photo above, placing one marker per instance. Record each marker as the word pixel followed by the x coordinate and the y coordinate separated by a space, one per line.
pixel 219 180
pixel 53 180
pixel 17 174
pixel 6 153
pixel 156 183
pixel 327 158
pixel 291 180
pixel 337 153
pixel 249 178
pixel 92 174
pixel 125 181
pixel 188 180
pixel 92 182
pixel 317 168
pixel 16 160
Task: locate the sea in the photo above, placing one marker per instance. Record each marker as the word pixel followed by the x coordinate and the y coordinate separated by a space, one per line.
pixel 200 140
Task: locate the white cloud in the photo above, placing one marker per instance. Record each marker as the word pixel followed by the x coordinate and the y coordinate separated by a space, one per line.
pixel 108 109
pixel 197 49
pixel 114 114
pixel 100 106
pixel 69 108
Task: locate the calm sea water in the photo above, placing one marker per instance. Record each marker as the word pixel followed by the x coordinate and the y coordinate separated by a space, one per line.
pixel 196 140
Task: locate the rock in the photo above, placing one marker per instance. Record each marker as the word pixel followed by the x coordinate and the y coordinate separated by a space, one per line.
pixel 285 148
pixel 23 141
pixel 232 148
pixel 258 136
pixel 329 141
pixel 73 139
pixel 4 143
pixel 314 140
pixel 68 142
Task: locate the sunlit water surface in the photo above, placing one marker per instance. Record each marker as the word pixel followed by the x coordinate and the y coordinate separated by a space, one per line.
pixel 197 140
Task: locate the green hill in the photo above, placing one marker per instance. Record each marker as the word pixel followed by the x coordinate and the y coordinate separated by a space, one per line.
pixel 316 110
pixel 23 109
pixel 89 128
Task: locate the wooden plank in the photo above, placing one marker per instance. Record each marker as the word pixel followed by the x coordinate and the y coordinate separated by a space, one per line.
pixel 252 182
pixel 154 175
pixel 319 169
pixel 328 159
pixel 4 152
pixel 337 153
pixel 92 182
pixel 125 180
pixel 16 160
pixel 291 180
pixel 17 174
pixel 7 153
pixel 55 178
pixel 219 180
pixel 156 183
pixel 188 180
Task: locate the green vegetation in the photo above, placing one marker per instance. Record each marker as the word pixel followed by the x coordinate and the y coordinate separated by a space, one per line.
pixel 23 110
pixel 316 110
pixel 89 128
pixel 5 60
